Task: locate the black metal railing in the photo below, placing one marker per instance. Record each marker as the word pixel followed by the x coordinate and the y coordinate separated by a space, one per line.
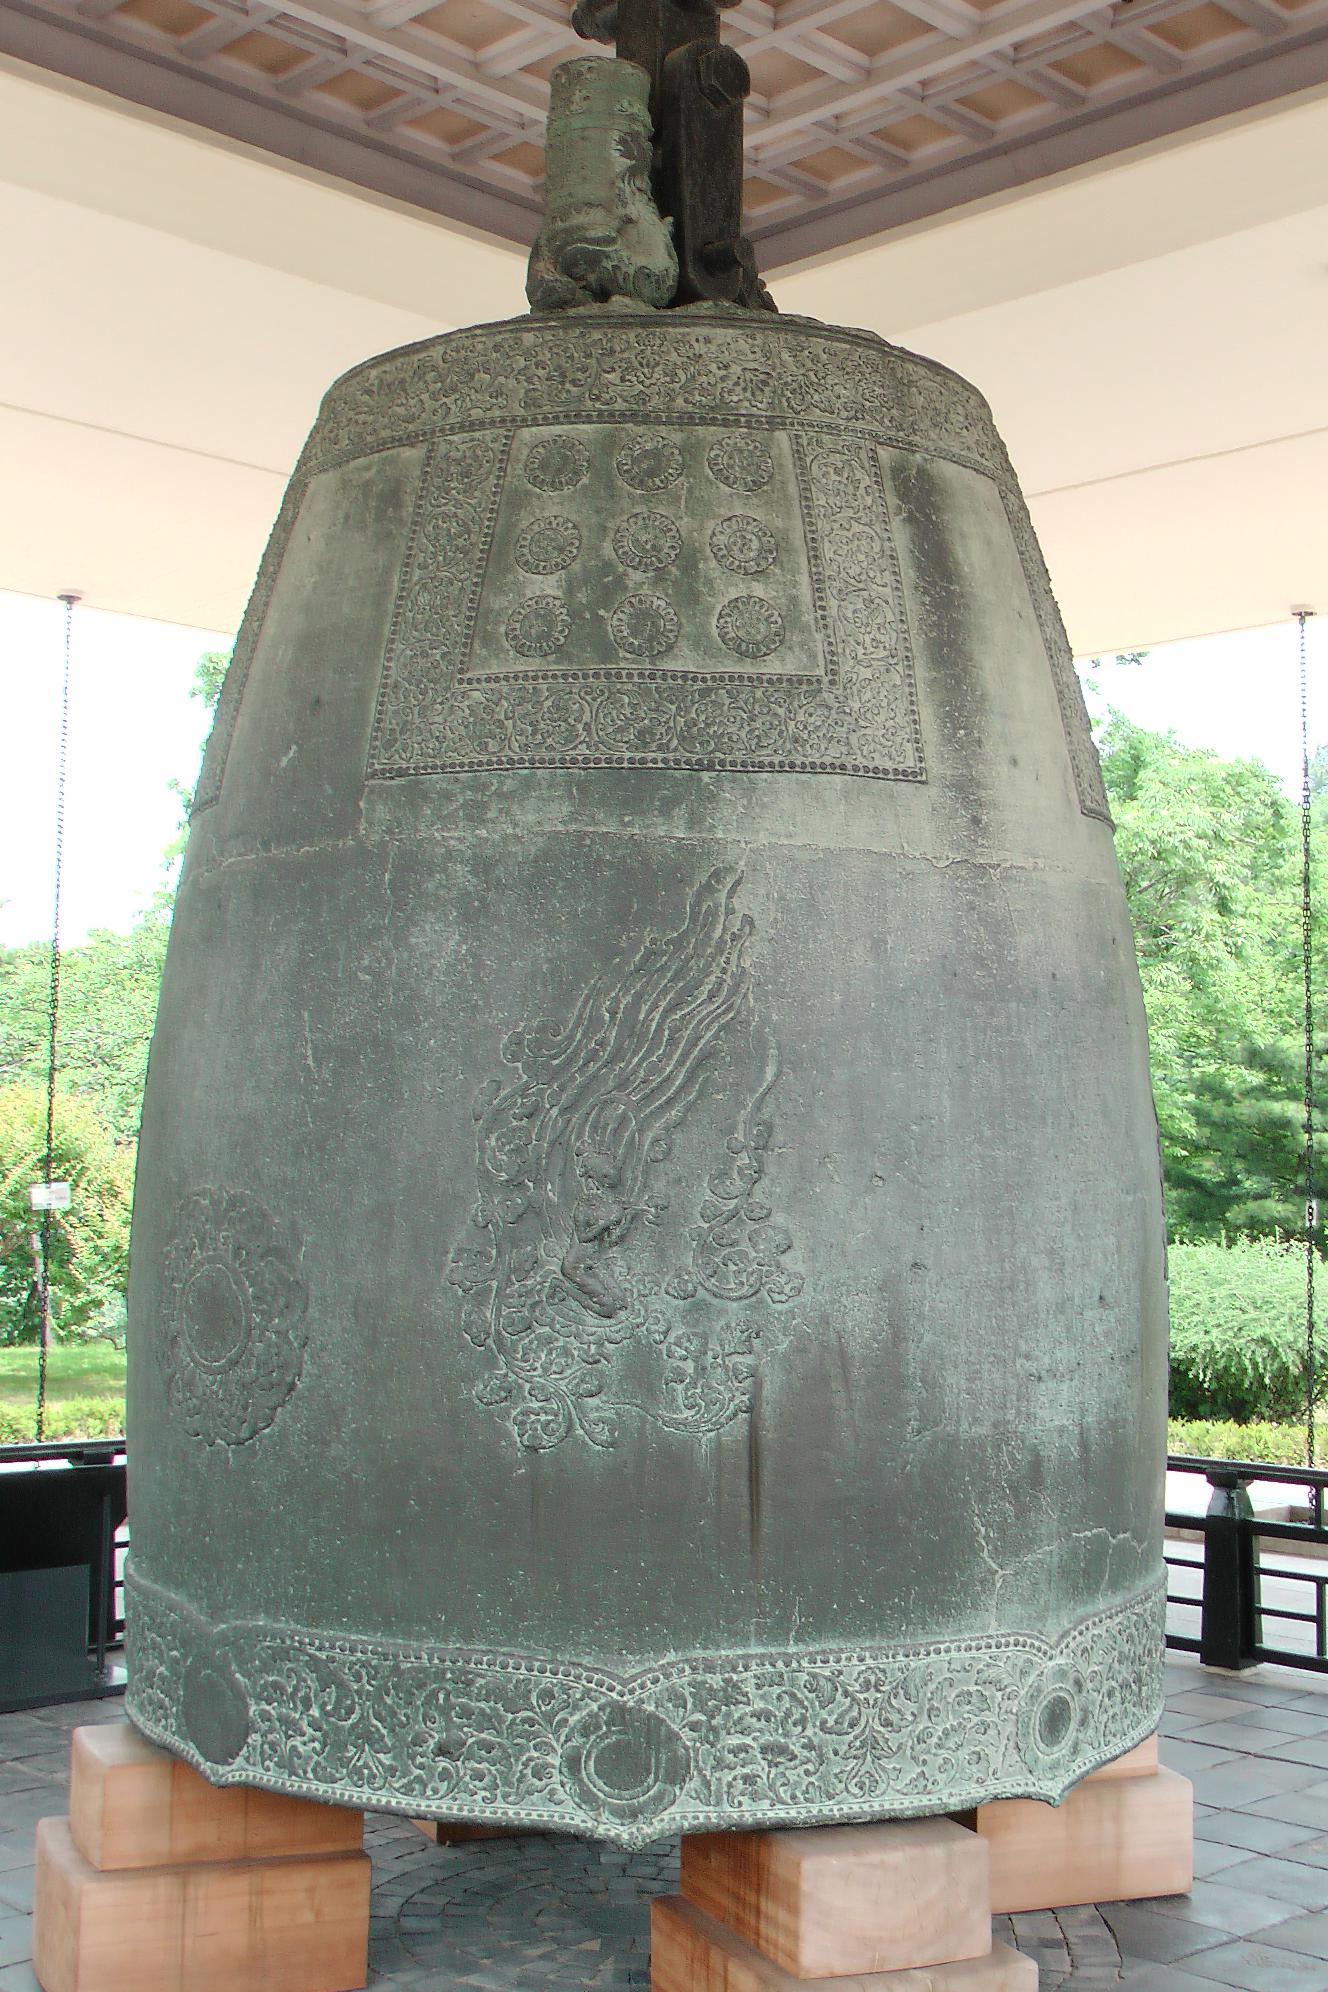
pixel 1242 1586
pixel 64 1533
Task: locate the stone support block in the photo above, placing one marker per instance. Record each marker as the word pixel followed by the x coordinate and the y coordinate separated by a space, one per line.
pixel 692 1952
pixel 283 1925
pixel 1112 1840
pixel 1141 1762
pixel 840 1901
pixel 133 1805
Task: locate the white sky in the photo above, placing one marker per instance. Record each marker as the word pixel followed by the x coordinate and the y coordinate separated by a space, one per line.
pixel 134 728
pixel 1238 694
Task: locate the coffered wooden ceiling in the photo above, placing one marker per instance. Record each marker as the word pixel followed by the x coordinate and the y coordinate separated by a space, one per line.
pixel 862 115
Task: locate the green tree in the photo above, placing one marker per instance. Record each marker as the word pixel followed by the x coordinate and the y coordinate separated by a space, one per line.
pixel 109 988
pixel 1210 853
pixel 1244 1171
pixel 108 1003
pixel 210 675
pixel 89 1252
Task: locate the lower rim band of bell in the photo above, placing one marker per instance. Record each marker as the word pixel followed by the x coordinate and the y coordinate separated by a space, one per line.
pixel 772 1738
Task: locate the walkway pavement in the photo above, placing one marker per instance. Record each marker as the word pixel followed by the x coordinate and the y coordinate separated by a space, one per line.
pixel 545 1913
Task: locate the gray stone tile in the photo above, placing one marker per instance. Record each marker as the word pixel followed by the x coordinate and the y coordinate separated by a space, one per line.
pixel 1256 1738
pixel 1288 1880
pixel 1033 1926
pixel 15 1938
pixel 19 1978
pixel 1238 1911
pixel 1297 1749
pixel 1267 1684
pixel 1262 1687
pixel 1312 1850
pixel 1258 1967
pixel 49 1763
pixel 1252 1830
pixel 1213 1707
pixel 1144 1935
pixel 1302 1933
pixel 16 1889
pixel 1289 1721
pixel 1162 1978
pixel 1248 1780
pixel 67 1716
pixel 22 1734
pixel 1212 1856
pixel 1298 1808
pixel 22 1809
pixel 18 1777
pixel 1185 1754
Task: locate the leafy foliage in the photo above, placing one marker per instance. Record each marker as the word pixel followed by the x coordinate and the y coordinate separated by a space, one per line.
pixel 1210 852
pixel 108 1003
pixel 1276 1445
pixel 109 991
pixel 209 676
pixel 89 1241
pixel 72 1418
pixel 1237 1330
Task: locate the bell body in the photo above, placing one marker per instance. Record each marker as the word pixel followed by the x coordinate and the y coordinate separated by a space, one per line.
pixel 648 1302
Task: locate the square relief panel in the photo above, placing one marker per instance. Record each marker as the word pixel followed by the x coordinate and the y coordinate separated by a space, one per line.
pixel 689 594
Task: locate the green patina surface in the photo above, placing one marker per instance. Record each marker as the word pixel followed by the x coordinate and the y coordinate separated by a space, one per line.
pixel 648 1298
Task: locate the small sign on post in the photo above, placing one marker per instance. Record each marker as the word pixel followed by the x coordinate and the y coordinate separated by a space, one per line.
pixel 50 1196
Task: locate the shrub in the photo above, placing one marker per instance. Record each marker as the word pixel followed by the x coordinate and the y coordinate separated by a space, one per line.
pixel 1278 1445
pixel 75 1418
pixel 1237 1331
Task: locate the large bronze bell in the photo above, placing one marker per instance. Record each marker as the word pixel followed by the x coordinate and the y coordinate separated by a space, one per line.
pixel 648 1300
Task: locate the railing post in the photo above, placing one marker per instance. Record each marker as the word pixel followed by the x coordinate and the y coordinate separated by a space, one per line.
pixel 105 1586
pixel 1228 1631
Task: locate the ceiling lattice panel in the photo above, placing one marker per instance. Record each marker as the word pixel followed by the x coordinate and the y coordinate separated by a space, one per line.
pixel 851 103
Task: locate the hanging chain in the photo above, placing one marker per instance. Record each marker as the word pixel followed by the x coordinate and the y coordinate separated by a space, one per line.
pixel 1307 969
pixel 53 1021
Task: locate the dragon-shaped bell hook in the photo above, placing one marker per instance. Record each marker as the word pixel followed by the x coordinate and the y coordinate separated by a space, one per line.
pixel 643 164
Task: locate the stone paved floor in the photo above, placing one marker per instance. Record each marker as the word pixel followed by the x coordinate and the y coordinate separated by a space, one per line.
pixel 546 1913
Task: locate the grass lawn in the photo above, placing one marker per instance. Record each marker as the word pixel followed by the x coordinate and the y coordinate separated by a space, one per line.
pixel 81 1369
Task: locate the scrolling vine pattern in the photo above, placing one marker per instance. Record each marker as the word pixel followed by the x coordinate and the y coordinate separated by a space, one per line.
pixel 772 1737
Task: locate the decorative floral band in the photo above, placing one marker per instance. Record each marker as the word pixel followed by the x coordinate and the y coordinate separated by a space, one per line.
pixel 771 1738
pixel 711 364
